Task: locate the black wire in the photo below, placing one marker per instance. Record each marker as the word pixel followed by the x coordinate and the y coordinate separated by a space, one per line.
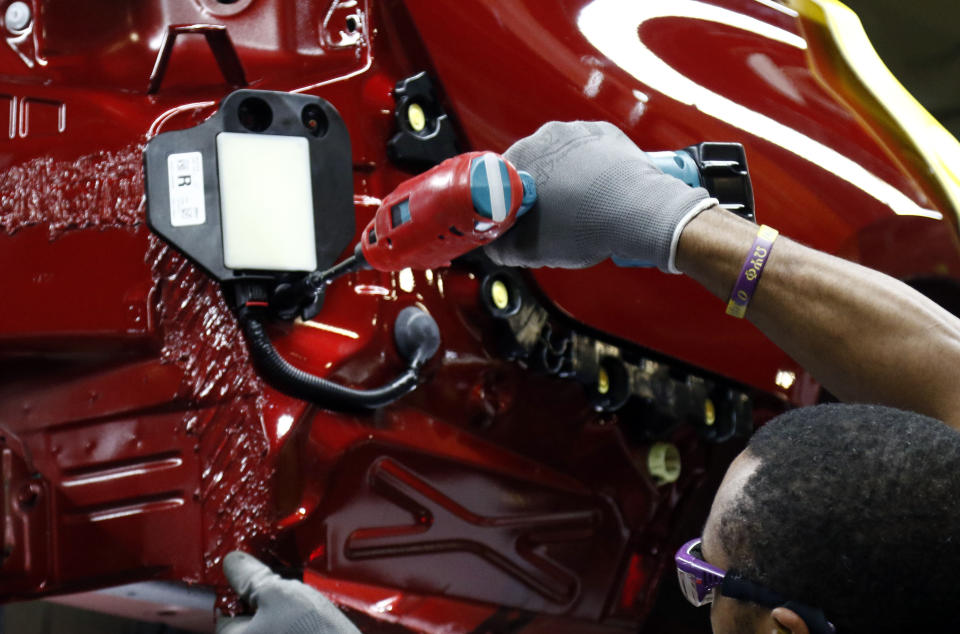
pixel 304 385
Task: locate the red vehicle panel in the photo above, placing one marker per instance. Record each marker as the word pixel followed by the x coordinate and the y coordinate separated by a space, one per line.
pixel 137 441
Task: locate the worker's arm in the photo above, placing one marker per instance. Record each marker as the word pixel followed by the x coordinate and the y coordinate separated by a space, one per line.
pixel 864 335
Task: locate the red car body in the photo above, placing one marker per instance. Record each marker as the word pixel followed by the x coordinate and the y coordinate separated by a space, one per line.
pixel 138 441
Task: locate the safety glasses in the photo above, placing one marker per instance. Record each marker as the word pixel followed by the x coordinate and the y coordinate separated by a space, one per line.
pixel 700 583
pixel 698 579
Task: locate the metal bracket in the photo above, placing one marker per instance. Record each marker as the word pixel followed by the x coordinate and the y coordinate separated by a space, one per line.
pixel 220 45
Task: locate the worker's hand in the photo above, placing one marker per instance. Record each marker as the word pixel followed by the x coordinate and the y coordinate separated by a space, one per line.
pixel 283 606
pixel 598 196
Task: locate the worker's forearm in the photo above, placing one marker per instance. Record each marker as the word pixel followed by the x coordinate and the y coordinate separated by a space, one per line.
pixel 865 336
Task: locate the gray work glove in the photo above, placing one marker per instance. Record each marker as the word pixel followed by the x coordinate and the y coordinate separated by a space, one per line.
pixel 283 606
pixel 599 196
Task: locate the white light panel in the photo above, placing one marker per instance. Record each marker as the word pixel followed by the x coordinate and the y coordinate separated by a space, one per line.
pixel 266 202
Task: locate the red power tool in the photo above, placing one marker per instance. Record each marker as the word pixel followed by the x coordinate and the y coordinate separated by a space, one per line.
pixel 460 204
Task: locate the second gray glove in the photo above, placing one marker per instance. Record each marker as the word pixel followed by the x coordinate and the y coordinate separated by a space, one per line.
pixel 599 196
pixel 283 606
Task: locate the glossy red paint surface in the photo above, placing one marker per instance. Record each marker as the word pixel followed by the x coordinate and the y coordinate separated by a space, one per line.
pixel 673 74
pixel 137 439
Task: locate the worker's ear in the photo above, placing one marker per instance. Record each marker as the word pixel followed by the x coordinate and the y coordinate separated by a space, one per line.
pixel 786 621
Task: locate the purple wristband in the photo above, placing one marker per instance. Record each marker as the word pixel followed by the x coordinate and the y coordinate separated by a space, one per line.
pixel 750 273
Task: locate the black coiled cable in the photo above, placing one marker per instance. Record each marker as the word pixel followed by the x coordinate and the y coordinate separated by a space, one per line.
pixel 417 337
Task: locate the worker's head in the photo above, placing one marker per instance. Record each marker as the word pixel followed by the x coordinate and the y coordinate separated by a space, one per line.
pixel 849 511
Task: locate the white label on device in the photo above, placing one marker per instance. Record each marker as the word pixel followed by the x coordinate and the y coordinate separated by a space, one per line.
pixel 186 189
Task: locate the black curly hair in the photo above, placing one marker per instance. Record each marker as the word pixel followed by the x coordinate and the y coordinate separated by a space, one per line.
pixel 854 509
